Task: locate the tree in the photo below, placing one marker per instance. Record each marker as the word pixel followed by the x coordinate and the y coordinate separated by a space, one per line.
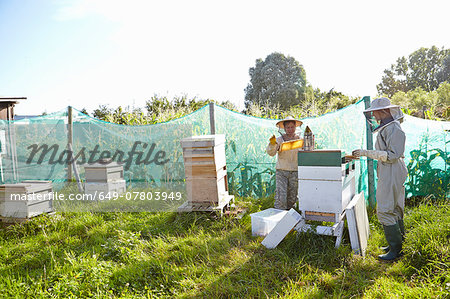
pixel 444 71
pixel 157 104
pixel 424 68
pixel 101 112
pixel 278 80
pixel 426 104
pixel 158 109
pixel 332 100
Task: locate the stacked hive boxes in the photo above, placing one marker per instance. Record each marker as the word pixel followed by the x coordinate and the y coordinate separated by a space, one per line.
pixel 104 179
pixel 326 182
pixel 205 168
pixel 26 199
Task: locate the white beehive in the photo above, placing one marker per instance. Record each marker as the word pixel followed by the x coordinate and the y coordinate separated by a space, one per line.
pixel 104 180
pixel 326 183
pixel 26 199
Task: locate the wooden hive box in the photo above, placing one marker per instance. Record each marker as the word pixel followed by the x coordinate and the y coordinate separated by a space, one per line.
pixel 205 168
pixel 26 199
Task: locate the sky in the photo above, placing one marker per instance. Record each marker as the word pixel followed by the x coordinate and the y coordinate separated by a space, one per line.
pixel 87 53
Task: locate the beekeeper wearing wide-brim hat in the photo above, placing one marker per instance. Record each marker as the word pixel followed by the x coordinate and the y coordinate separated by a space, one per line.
pixel 382 104
pixel 286 177
pixel 389 150
pixel 297 122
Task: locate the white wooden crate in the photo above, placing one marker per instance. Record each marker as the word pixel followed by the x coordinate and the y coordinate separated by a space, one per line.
pixel 103 172
pixel 33 205
pixel 324 196
pixel 324 189
pixel 26 199
pixel 264 221
pixel 324 173
pixel 203 141
pixel 283 227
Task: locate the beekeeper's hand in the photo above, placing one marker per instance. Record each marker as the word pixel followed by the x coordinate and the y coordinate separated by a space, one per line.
pixel 377 155
pixel 273 140
pixel 359 152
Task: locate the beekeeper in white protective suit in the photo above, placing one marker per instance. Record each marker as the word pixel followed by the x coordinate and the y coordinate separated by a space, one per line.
pixel 391 171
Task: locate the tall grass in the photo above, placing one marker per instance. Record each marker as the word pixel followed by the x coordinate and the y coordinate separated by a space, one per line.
pixel 200 255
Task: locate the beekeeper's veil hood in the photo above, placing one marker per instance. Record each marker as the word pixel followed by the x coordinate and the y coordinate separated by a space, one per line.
pixel 381 104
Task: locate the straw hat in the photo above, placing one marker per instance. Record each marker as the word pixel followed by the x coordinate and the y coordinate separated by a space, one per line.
pixel 280 124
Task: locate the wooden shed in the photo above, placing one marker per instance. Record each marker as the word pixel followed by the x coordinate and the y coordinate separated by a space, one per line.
pixel 8 156
pixel 7 107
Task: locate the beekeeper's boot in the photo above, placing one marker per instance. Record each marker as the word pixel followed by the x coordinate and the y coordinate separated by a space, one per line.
pixel 401 225
pixel 394 238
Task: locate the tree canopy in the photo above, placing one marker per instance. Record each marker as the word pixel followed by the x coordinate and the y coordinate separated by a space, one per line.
pixel 276 81
pixel 426 68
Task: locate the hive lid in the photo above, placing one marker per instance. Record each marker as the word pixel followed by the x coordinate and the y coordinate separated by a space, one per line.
pixel 102 165
pixel 26 187
pixel 320 158
pixel 203 140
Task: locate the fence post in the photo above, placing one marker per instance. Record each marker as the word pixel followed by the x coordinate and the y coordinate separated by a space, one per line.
pixel 212 123
pixel 370 169
pixel 69 141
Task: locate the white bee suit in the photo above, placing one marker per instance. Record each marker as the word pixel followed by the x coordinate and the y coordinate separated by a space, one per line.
pixel 391 174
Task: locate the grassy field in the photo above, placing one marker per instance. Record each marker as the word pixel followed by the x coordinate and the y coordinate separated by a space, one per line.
pixel 132 255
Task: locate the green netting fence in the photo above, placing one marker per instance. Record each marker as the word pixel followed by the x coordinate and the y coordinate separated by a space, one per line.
pixel 36 148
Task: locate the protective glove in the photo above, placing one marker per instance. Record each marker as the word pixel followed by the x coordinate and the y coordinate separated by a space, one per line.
pixel 377 155
pixel 273 140
pixel 359 153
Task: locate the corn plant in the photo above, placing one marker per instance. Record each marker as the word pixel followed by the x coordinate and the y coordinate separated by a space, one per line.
pixel 424 178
